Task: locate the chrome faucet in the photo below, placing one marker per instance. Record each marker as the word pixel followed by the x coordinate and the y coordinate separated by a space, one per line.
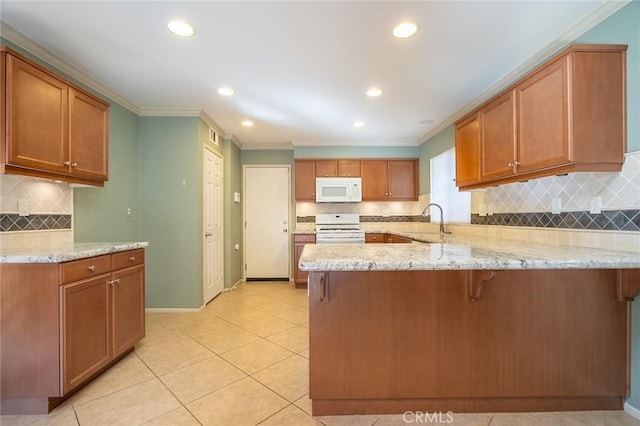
pixel 442 230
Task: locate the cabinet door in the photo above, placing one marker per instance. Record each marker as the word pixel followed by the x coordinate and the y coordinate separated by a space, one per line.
pixel 86 329
pixel 36 118
pixel 127 308
pixel 467 152
pixel 374 180
pixel 88 136
pixel 349 168
pixel 305 172
pixel 498 137
pixel 403 182
pixel 543 108
pixel 327 168
pixel 374 238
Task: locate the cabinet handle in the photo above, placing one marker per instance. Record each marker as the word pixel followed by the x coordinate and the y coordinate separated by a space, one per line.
pixel 324 288
pixel 92 268
pixel 74 164
pixel 132 259
pixel 113 282
pixel 67 163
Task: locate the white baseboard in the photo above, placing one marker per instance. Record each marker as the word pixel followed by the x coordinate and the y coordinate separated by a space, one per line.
pixel 233 287
pixel 173 310
pixel 631 410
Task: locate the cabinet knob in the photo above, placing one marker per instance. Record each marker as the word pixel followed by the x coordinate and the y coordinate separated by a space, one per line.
pixel 92 268
pixel 132 259
pixel 74 164
pixel 66 163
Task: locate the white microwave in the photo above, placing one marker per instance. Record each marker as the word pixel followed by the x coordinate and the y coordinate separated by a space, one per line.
pixel 338 190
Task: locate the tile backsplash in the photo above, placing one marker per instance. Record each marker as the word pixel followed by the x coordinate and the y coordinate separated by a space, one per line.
pixel 50 211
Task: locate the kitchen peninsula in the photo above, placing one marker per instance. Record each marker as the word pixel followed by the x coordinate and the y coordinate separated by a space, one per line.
pixel 67 313
pixel 468 325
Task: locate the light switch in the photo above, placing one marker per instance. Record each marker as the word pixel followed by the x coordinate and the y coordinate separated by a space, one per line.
pixel 556 205
pixel 236 197
pixel 595 205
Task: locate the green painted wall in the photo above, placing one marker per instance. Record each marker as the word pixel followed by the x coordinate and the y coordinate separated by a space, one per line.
pixel 356 152
pixel 171 210
pixel 232 213
pixel 100 214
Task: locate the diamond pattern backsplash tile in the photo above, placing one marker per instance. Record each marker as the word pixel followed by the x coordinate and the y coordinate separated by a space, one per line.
pixel 617 191
pixel 49 204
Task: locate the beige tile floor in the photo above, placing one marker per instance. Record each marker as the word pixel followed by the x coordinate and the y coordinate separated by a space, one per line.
pixel 241 361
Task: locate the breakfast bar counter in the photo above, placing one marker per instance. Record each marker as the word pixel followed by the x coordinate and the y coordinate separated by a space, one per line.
pixel 468 325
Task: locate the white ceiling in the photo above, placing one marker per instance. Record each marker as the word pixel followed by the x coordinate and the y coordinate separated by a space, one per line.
pixel 300 69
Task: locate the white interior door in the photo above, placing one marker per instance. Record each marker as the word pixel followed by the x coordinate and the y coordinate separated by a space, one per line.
pixel 266 214
pixel 213 203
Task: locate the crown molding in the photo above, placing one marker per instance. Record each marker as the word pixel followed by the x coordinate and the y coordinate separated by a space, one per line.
pixel 606 9
pixel 234 139
pixel 25 43
pixel 284 146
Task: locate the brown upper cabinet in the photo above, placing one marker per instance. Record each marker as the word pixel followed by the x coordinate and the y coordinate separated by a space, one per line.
pixel 385 180
pixel 567 115
pixel 382 179
pixel 51 128
pixel 305 173
pixel 338 168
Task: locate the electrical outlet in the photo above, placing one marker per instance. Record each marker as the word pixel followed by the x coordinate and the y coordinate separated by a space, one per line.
pixel 556 205
pixel 23 207
pixel 595 206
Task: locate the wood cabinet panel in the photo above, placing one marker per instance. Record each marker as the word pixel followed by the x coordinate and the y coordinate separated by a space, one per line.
pixel 374 237
pixel 86 330
pixel 88 136
pixel 549 333
pixel 374 180
pixel 373 336
pixel 403 180
pixel 52 129
pixel 349 168
pixel 529 340
pixel 300 240
pixel 37 114
pixel 57 334
pixel 326 168
pixel 127 308
pixel 467 151
pixel 498 137
pixel 543 108
pixel 305 186
pixel 568 115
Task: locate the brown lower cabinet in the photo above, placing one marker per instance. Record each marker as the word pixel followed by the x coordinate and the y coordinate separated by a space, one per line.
pixel 468 341
pixel 299 241
pixel 62 324
pixel 378 237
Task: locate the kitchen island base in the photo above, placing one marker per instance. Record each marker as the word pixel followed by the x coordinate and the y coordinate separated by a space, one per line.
pixel 469 341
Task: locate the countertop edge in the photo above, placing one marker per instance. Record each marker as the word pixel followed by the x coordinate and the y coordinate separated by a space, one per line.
pixel 69 252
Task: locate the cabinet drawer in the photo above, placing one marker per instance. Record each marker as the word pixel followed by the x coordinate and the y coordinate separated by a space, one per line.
pixel 128 258
pixel 374 237
pixel 304 238
pixel 84 268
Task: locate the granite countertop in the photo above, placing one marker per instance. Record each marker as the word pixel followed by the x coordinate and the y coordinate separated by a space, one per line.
pixel 459 252
pixel 66 252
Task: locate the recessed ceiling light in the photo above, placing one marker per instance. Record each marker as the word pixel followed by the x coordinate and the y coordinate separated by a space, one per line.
pixel 405 29
pixel 181 28
pixel 374 91
pixel 226 91
pixel 247 123
pixel 358 124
